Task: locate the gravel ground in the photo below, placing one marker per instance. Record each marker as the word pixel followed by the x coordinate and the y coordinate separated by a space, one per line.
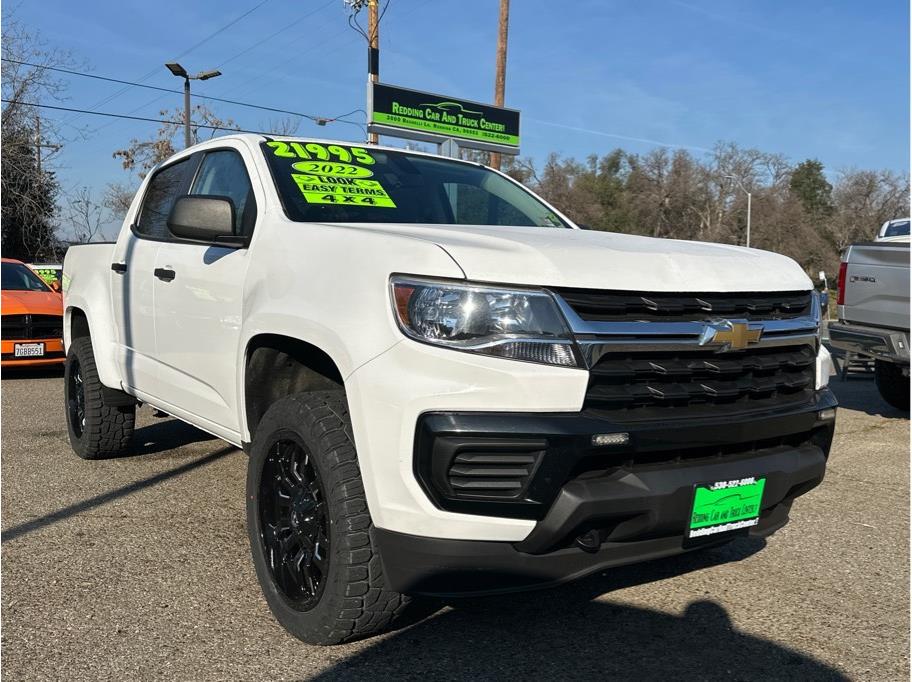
pixel 138 568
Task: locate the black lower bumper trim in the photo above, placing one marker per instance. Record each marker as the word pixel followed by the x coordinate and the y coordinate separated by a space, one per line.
pixel 631 516
pixel 657 503
pixel 464 568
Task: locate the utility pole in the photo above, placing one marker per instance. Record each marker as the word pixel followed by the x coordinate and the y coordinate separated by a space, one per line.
pixel 38 143
pixel 500 76
pixel 373 52
pixel 39 146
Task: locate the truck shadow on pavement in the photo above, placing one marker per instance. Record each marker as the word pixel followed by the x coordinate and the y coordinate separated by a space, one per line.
pixel 860 393
pixel 569 633
pixel 164 436
pixel 111 495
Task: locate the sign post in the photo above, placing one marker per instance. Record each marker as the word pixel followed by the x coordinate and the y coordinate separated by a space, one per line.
pixel 428 117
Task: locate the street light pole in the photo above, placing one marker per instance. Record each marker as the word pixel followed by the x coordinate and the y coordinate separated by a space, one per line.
pixel 748 220
pixel 741 187
pixel 181 72
pixel 187 140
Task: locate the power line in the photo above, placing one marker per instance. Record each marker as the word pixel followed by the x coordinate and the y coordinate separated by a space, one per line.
pixel 127 116
pixel 313 117
pixel 273 35
pixel 184 53
pixel 154 120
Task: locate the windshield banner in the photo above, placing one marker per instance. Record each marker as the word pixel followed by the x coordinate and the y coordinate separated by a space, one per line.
pixel 434 118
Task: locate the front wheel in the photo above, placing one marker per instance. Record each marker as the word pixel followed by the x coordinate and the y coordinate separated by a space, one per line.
pixel 893 386
pixel 96 429
pixel 309 526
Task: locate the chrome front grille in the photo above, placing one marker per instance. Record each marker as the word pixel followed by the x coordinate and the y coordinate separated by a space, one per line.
pixel 618 306
pixel 679 379
pixel 657 356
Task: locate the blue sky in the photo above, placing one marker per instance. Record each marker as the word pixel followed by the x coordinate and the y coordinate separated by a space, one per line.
pixel 828 80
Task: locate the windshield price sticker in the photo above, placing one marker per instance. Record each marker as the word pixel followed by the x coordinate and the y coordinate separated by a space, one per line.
pixel 333 174
pixel 345 191
pixel 726 506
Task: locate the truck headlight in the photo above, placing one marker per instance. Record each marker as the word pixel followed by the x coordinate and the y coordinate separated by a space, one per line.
pixel 517 324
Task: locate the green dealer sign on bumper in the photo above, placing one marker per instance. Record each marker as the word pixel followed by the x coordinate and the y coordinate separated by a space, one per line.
pixel 435 118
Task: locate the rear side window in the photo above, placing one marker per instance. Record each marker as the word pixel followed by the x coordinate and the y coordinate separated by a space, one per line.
pixel 164 189
pixel 224 174
pixel 897 228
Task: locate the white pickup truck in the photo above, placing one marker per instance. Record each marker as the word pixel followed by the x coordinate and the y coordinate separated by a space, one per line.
pixel 444 386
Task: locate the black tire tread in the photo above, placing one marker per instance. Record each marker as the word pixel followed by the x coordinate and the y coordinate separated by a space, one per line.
pixel 108 429
pixel 367 606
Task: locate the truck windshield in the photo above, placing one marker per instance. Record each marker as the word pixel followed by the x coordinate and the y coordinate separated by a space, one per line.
pixel 18 277
pixel 336 183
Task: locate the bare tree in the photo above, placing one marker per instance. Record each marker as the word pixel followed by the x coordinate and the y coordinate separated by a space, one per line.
pixel 142 155
pixel 864 200
pixel 85 216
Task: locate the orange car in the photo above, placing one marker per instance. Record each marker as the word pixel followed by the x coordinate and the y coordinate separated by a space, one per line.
pixel 31 332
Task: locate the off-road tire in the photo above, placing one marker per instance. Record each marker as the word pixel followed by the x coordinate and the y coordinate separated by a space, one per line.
pixel 107 429
pixel 354 601
pixel 893 386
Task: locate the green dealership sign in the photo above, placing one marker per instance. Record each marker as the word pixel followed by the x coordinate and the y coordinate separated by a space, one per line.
pixel 434 118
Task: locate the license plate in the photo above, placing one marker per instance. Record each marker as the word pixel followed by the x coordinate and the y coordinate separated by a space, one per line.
pixel 28 350
pixel 725 506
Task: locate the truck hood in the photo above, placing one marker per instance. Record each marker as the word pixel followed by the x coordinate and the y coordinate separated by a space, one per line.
pixel 604 260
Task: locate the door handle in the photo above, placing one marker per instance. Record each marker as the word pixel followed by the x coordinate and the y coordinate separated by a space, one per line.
pixel 119 268
pixel 165 274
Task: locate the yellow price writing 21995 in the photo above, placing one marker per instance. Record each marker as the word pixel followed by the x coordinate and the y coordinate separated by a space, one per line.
pixel 320 152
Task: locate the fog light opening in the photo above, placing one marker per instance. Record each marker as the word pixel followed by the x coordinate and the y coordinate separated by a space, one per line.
pixel 827 414
pixel 601 439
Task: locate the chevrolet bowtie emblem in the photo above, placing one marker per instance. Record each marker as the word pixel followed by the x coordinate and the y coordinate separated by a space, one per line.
pixel 736 335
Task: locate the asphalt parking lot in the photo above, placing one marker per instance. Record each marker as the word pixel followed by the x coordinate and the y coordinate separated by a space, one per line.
pixel 137 568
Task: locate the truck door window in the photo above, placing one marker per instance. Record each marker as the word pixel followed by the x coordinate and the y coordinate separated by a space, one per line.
pixel 164 188
pixel 224 174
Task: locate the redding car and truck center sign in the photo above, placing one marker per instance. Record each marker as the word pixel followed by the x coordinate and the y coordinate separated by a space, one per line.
pixel 434 118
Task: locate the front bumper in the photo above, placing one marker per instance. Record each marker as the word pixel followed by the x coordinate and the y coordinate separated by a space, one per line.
pixel 53 353
pixel 883 344
pixel 634 499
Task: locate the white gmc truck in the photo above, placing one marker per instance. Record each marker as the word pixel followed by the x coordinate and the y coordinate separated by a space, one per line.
pixel 444 386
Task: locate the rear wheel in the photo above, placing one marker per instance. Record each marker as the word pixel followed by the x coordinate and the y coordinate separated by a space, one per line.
pixel 309 525
pixel 96 430
pixel 893 386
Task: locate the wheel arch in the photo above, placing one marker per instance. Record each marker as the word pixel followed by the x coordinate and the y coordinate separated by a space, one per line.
pixel 278 365
pixel 78 322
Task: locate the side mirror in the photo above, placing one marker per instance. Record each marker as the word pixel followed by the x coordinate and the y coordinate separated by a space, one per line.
pixel 205 219
pixel 55 286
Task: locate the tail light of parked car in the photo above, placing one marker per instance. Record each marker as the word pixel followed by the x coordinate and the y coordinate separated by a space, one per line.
pixel 841 284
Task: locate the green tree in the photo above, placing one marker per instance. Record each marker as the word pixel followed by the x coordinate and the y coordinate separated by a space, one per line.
pixel 810 186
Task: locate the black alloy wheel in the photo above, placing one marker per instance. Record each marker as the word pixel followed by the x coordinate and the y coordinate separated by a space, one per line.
pixel 294 524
